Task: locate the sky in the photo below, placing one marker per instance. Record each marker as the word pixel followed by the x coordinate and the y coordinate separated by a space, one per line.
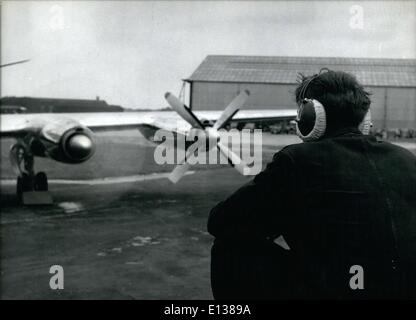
pixel 130 53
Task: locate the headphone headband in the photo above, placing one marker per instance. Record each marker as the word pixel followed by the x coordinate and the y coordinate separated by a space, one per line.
pixel 305 87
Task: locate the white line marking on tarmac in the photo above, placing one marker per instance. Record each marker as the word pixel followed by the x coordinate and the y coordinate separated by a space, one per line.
pixel 44 218
pixel 102 181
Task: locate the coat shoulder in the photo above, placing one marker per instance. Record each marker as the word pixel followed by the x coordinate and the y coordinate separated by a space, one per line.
pixel 397 149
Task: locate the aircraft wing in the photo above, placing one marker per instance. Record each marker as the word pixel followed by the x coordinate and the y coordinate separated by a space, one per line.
pixel 21 124
pixel 252 115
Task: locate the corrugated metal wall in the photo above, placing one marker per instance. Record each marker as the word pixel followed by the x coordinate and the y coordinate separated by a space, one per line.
pixel 401 108
pixel 216 96
pixel 391 107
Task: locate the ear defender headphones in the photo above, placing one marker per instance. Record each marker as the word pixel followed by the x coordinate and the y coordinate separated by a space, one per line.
pixel 311 120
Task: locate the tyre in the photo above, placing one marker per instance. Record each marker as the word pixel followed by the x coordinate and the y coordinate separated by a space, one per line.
pixel 41 182
pixel 19 187
pixel 23 184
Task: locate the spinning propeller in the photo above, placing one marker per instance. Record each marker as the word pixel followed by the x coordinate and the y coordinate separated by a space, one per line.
pixel 211 133
pixel 13 63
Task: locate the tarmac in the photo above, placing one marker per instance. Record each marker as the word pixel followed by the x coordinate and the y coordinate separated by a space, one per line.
pixel 118 227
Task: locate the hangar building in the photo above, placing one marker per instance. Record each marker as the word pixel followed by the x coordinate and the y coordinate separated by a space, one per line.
pixel 272 81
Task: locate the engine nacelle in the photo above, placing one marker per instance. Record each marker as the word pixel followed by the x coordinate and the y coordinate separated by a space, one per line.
pixel 64 140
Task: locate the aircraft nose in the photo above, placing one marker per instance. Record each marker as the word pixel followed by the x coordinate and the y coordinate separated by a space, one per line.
pixel 80 146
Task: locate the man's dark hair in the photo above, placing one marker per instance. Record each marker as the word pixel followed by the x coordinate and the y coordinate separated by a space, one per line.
pixel 343 97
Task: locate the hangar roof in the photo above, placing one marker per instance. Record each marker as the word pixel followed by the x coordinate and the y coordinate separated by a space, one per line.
pixel 273 69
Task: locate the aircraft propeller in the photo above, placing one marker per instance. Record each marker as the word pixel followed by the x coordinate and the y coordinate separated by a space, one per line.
pixel 13 63
pixel 210 132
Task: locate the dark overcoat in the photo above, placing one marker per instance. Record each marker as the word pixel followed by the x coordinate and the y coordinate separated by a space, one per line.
pixel 345 206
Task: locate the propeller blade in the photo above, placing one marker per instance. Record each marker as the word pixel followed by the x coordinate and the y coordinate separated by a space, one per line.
pixel 13 63
pixel 231 109
pixel 234 159
pixel 183 165
pixel 178 172
pixel 183 111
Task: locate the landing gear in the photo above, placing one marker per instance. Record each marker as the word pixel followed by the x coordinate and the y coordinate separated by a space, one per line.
pixel 31 188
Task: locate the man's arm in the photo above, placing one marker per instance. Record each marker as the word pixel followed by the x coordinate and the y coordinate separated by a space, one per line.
pixel 258 208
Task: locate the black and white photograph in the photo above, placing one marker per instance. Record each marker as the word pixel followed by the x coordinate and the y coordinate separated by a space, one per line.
pixel 217 151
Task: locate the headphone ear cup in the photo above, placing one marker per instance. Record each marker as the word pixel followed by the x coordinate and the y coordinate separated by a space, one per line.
pixel 311 122
pixel 365 125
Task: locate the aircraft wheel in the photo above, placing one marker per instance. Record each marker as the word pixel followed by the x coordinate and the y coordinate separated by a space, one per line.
pixel 41 182
pixel 19 187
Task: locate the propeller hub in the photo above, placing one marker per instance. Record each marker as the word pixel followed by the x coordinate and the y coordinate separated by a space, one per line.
pixel 213 138
pixel 213 134
pixel 79 146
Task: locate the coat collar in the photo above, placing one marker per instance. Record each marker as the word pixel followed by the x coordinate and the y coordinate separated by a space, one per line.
pixel 347 131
